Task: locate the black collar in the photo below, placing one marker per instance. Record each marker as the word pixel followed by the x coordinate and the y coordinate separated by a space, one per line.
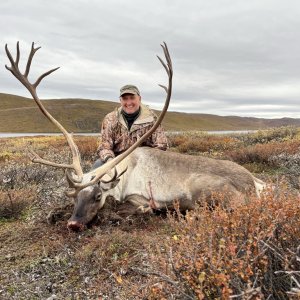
pixel 130 118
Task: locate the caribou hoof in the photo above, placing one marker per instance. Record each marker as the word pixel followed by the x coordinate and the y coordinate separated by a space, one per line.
pixel 144 209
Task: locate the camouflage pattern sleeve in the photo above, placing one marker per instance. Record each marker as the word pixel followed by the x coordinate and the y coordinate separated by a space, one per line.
pixel 159 139
pixel 105 149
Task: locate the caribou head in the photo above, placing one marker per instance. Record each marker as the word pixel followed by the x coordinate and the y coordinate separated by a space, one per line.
pixel 84 187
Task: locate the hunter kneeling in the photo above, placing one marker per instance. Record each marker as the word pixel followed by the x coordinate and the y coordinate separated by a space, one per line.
pixel 125 125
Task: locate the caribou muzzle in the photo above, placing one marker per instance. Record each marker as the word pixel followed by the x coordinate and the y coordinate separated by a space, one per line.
pixel 75 225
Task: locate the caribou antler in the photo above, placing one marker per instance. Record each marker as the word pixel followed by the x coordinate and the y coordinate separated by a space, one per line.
pixel 97 174
pixel 23 78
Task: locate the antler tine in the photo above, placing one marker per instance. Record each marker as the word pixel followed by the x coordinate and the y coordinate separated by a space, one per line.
pixel 98 173
pixel 164 87
pixel 76 186
pixel 121 173
pixel 43 76
pixel 30 57
pixel 18 54
pixel 14 69
pixel 37 159
pixel 73 184
pixel 168 66
pixel 116 176
pixel 71 180
pixel 163 63
pixel 72 193
pixel 167 55
pixel 10 59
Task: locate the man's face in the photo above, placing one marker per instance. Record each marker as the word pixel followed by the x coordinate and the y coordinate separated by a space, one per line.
pixel 130 103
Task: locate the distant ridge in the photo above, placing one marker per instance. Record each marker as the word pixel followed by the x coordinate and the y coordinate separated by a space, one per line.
pixel 20 114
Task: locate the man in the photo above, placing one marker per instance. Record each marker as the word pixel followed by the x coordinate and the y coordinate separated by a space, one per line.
pixel 122 127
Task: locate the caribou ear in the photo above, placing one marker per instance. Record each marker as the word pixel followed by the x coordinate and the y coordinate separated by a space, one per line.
pixel 106 186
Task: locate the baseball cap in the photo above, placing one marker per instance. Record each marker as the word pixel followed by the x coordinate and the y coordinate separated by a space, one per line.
pixel 129 89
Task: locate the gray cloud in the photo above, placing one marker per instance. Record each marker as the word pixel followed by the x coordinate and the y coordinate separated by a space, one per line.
pixel 231 57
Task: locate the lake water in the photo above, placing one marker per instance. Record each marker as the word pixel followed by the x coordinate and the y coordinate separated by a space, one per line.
pixel 8 134
pixel 23 134
pixel 216 131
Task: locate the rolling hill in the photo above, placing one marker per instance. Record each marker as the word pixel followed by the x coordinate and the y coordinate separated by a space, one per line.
pixel 20 114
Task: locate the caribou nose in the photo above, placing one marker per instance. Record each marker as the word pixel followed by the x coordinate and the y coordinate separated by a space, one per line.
pixel 75 225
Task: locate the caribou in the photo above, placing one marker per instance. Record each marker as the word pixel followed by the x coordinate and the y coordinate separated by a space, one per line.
pixel 147 178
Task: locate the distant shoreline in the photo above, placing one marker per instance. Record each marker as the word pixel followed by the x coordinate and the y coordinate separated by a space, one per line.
pixel 32 134
pixel 28 134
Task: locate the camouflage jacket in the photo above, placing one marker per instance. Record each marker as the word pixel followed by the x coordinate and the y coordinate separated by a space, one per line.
pixel 116 138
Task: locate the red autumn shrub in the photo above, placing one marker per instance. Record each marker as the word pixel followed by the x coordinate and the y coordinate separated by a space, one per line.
pixel 202 143
pixel 261 153
pixel 87 147
pixel 217 254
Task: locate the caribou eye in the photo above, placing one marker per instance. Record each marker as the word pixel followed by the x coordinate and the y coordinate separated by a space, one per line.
pixel 98 197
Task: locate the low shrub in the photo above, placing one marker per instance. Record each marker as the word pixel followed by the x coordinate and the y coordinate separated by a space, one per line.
pixel 13 203
pixel 203 143
pixel 87 147
pixel 261 153
pixel 265 136
pixel 5 156
pixel 247 253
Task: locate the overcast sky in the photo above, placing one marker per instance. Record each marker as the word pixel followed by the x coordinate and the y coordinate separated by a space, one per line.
pixel 230 57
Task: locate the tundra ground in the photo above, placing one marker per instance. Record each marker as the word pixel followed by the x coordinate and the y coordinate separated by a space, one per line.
pixel 248 253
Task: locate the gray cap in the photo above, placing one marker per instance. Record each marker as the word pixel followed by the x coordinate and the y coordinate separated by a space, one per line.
pixel 129 89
